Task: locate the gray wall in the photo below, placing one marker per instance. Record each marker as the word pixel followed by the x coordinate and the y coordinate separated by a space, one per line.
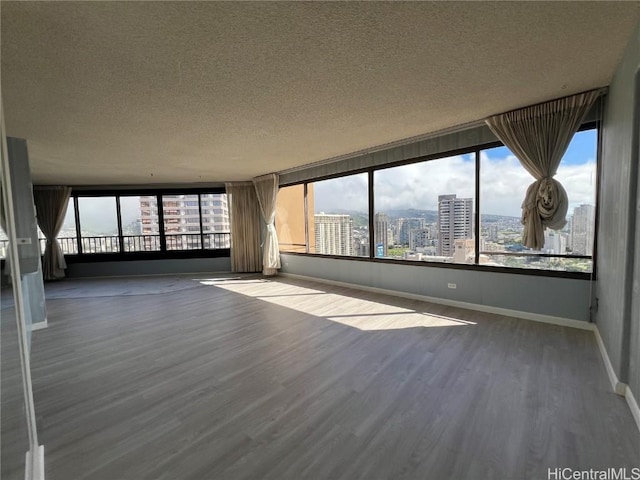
pixel 31 284
pixel 617 207
pixel 149 267
pixel 557 297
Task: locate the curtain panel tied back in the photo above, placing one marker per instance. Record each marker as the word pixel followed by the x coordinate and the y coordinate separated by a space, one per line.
pixel 539 136
pixel 51 208
pixel 267 191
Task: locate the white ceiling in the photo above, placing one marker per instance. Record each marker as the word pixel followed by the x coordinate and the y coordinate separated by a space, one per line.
pixel 164 92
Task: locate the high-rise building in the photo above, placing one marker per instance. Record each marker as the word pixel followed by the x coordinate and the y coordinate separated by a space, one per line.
pixel 455 221
pixel 465 250
pixel 381 234
pixel 582 230
pixel 181 215
pixel 555 242
pixel 406 225
pixel 361 247
pixel 334 234
pixel 420 238
pixel 492 232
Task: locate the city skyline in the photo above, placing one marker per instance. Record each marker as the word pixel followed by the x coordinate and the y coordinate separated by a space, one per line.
pixel 498 231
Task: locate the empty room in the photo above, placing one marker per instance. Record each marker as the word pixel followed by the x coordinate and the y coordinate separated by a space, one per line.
pixel 320 240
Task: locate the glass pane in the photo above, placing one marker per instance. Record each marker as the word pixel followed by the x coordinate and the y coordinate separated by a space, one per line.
pixel 425 211
pixel 42 240
pixel 4 243
pixel 577 173
pixel 503 185
pixel 215 220
pixel 99 224
pixel 290 219
pixel 67 237
pixel 341 216
pixel 181 222
pixel 140 229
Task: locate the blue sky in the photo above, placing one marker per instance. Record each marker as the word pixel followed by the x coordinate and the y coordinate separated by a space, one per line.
pixel 581 149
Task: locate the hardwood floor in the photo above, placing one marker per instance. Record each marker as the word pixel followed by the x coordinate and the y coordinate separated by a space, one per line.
pixel 245 378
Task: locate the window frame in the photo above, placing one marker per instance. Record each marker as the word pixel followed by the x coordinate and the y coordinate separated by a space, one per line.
pixel 163 252
pixel 476 266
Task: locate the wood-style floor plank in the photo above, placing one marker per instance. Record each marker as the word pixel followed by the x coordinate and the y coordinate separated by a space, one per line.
pixel 247 378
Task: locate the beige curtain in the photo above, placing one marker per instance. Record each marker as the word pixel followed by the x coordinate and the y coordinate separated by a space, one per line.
pixel 51 208
pixel 267 190
pixel 245 227
pixel 539 136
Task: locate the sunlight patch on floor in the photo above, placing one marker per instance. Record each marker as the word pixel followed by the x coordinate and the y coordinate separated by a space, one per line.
pixel 354 312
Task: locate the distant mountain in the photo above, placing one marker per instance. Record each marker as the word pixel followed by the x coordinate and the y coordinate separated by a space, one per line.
pixel 497 218
pixel 430 216
pixel 360 219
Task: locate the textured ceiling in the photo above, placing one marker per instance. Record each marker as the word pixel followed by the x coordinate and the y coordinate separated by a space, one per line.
pixel 163 92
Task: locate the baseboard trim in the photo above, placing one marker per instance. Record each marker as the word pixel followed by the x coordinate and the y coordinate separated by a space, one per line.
pixel 616 385
pixel 39 325
pixel 536 317
pixel 136 275
pixel 633 405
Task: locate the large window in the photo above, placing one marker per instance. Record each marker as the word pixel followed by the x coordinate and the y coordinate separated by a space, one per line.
pixel 182 227
pixel 99 224
pixel 68 236
pixel 502 188
pixel 140 223
pixel 427 211
pixel 4 244
pixel 215 220
pixel 340 219
pixel 132 223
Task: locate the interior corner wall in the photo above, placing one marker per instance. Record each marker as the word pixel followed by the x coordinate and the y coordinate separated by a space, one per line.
pixel 617 204
pixel 563 298
pixel 634 331
pixel 31 283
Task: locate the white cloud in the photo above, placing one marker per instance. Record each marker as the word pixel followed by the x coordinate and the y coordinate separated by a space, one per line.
pixel 503 185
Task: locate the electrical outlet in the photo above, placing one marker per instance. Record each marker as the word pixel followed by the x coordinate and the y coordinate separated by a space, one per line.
pixel 452 285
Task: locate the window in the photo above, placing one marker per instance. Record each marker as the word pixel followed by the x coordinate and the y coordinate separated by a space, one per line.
pixel 215 222
pixel 4 244
pixel 502 188
pixel 140 224
pixel 176 217
pixel 68 236
pixel 425 211
pixel 340 216
pixel 98 224
pixel 340 209
pixel 133 223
